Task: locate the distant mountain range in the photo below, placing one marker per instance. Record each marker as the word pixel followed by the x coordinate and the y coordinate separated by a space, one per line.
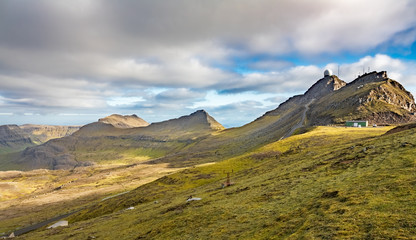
pixel 199 138
pixel 15 138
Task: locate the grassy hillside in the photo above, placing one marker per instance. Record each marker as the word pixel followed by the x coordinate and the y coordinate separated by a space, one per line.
pixel 329 183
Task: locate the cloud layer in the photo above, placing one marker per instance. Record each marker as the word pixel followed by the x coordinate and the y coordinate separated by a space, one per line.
pixel 161 59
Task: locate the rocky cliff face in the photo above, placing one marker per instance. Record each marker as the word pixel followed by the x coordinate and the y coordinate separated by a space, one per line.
pixel 392 93
pixel 324 86
pixel 373 97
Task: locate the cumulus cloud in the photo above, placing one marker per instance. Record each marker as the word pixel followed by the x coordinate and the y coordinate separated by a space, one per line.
pixel 101 55
pixel 400 70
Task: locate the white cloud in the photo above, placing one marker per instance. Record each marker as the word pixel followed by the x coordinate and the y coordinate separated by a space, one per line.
pixel 124 101
pixel 31 91
pixel 400 70
pixel 152 56
pixel 214 99
pixel 267 65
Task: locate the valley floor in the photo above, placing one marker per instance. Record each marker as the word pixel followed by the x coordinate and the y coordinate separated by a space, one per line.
pixel 30 197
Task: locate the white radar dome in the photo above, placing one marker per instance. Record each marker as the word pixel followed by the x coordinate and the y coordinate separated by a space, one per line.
pixel 327 73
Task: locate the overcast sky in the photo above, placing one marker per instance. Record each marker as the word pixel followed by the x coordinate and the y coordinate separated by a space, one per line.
pixel 72 62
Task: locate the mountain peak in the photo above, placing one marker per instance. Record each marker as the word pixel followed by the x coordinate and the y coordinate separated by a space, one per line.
pixel 324 86
pixel 201 111
pixel 126 121
pixel 213 124
pixel 195 121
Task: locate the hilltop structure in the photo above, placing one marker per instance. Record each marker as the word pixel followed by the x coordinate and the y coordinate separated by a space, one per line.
pixel 327 72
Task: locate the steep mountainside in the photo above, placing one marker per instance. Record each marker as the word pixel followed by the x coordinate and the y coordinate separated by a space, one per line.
pixel 373 97
pixel 13 138
pixel 120 121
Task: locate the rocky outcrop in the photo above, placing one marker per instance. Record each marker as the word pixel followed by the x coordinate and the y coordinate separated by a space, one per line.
pixel 373 97
pixel 324 86
pixel 392 93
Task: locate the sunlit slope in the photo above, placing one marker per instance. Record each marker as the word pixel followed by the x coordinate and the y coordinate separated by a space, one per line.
pixel 329 183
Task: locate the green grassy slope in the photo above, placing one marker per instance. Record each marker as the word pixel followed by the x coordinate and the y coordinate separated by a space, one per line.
pixel 329 183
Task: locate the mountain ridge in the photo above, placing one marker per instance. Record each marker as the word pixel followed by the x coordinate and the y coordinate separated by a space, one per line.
pixel 126 121
pixel 92 142
pixel 189 140
pixel 373 97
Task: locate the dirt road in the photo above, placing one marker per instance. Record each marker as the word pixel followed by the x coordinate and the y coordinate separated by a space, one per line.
pixel 300 123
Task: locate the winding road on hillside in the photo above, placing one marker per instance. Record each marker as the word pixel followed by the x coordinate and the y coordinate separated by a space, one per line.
pixel 300 123
pixel 40 224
